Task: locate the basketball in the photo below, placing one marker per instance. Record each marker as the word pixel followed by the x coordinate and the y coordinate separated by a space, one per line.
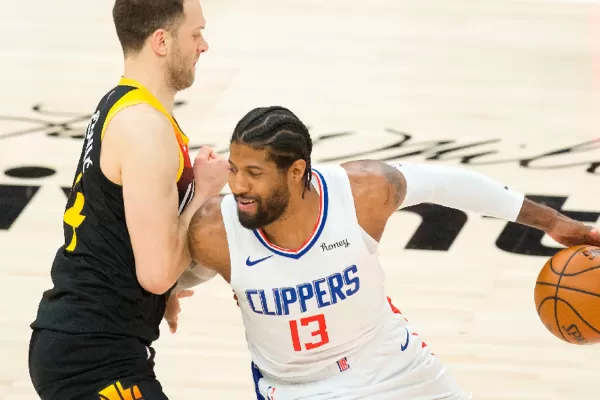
pixel 567 295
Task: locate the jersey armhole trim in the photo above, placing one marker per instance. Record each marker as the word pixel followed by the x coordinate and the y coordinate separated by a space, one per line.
pixel 370 243
pixel 136 97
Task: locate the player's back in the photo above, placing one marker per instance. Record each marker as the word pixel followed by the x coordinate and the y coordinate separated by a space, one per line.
pixel 306 310
pixel 95 287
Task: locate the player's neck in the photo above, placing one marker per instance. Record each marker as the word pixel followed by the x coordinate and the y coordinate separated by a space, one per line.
pixel 153 79
pixel 297 224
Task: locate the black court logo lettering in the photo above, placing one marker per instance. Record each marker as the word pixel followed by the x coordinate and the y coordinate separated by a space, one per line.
pixel 439 228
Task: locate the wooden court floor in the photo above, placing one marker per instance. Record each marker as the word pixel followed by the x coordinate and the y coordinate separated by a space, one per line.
pixel 504 87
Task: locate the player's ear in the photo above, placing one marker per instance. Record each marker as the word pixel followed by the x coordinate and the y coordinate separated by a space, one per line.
pixel 296 171
pixel 159 41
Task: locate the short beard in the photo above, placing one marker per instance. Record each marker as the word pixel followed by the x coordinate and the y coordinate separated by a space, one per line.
pixel 272 209
pixel 177 77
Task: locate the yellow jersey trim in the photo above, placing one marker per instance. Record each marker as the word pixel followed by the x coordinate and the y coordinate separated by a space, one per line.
pixel 143 96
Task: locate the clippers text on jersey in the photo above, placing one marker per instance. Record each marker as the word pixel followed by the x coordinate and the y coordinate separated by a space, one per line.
pixel 321 292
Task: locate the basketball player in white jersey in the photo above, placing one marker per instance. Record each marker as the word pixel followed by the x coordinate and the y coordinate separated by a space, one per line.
pixel 298 245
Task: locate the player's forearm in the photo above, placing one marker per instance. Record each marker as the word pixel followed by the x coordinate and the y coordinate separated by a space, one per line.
pixel 538 216
pixel 194 275
pixel 461 189
pixel 185 259
pixel 186 280
pixel 158 270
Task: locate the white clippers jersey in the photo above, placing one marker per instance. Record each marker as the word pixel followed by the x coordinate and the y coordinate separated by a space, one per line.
pixel 306 309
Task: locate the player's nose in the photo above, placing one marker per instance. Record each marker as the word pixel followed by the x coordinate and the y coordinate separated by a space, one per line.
pixel 203 47
pixel 238 184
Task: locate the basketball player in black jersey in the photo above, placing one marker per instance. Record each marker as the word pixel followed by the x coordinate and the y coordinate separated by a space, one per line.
pixel 125 224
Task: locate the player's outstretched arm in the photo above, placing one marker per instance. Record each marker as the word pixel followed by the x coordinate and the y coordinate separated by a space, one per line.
pixel 208 244
pixel 380 189
pixel 142 143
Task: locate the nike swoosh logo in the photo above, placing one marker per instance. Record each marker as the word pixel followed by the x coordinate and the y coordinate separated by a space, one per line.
pixel 252 263
pixel 405 346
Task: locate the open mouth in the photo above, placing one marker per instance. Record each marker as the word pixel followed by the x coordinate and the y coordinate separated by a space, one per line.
pixel 245 204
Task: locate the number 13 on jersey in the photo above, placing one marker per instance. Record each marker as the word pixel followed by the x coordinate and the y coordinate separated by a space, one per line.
pixel 319 329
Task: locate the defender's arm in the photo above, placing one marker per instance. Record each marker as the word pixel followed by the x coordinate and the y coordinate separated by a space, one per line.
pixel 144 149
pixel 382 188
pixel 209 248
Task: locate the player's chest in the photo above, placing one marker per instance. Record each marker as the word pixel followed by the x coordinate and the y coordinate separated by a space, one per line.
pixel 329 254
pixel 270 284
pixel 293 294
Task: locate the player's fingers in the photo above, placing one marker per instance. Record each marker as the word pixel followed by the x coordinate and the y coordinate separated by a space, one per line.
pixel 185 293
pixel 172 324
pixel 595 235
pixel 205 152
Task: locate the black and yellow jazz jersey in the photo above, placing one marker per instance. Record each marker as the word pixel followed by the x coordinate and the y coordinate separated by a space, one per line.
pixel 95 288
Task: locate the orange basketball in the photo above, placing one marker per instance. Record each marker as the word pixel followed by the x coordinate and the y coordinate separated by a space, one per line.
pixel 567 295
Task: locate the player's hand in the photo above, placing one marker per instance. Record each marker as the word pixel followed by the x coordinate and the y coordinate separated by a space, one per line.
pixel 210 172
pixel 174 308
pixel 569 232
pixel 236 299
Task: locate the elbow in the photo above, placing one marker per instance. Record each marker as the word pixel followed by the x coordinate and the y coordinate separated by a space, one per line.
pixel 154 279
pixel 157 288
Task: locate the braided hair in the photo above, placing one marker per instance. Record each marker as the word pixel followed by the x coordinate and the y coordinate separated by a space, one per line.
pixel 279 130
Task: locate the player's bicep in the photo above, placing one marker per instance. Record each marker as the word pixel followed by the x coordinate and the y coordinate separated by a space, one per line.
pixel 149 162
pixel 378 190
pixel 207 238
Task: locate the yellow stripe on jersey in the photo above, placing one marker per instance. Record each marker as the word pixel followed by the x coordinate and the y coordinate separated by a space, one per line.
pixel 143 96
pixel 129 99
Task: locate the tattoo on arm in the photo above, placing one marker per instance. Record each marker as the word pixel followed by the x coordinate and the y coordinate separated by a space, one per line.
pixel 381 183
pixel 397 183
pixel 378 190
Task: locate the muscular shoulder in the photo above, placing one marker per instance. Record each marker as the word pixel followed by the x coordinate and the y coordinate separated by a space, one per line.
pixel 378 190
pixel 208 239
pixel 142 114
pixel 140 122
pixel 139 137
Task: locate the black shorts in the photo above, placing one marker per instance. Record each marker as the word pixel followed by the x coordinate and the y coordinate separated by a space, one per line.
pixel 100 367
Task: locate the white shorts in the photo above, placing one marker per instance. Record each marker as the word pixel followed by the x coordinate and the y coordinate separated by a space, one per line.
pixel 397 366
